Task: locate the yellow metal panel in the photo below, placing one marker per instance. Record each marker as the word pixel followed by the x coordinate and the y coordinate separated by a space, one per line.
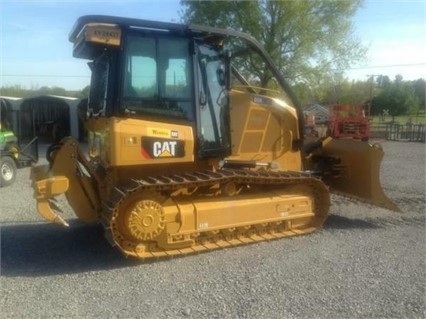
pixel 264 132
pixel 258 119
pixel 251 142
pixel 166 142
pixel 234 213
pixel 120 142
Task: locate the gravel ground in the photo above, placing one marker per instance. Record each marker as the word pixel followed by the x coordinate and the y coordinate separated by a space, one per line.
pixel 366 262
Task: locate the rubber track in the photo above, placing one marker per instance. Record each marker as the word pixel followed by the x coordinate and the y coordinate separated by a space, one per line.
pixel 209 240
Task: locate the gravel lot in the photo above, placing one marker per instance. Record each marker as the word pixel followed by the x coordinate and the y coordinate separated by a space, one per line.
pixel 366 262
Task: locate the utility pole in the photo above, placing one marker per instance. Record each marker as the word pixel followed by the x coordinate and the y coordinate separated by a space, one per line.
pixel 371 77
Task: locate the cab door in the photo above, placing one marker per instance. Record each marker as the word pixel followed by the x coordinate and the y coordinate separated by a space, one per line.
pixel 213 102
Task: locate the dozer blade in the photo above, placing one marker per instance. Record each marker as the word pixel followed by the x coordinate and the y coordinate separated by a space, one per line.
pixel 352 168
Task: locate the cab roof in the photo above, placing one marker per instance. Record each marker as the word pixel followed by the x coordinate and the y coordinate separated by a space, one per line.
pixel 124 22
pixel 190 30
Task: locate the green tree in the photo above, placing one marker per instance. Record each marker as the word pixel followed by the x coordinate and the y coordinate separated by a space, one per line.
pixel 383 81
pixel 84 93
pixel 47 90
pixel 306 39
pixel 349 92
pixel 328 90
pixel 19 91
pixel 420 91
pixel 13 91
pixel 397 98
pixel 304 93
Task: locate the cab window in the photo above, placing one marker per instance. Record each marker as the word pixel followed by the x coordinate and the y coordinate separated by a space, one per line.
pixel 158 77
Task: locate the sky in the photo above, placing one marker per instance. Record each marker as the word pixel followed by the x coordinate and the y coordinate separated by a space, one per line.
pixel 35 51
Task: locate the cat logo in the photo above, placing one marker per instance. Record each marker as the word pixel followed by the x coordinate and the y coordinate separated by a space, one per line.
pixel 164 149
pixel 161 148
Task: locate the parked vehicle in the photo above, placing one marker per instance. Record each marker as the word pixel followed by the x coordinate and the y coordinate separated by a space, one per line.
pixel 184 154
pixel 12 155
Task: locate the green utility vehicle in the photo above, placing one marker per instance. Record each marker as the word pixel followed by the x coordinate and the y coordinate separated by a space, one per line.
pixel 12 155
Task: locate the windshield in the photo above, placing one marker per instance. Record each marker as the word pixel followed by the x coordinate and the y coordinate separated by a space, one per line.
pixel 157 77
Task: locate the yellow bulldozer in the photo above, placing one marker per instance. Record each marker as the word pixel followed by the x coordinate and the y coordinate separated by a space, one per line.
pixel 185 154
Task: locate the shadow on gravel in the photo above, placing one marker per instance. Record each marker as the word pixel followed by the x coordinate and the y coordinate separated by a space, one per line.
pixel 340 222
pixel 46 249
pixel 34 250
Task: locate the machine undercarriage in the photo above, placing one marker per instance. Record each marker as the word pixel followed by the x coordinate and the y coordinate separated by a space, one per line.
pixel 167 215
pixel 181 214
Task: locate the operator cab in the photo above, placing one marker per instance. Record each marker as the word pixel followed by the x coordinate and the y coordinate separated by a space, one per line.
pixel 181 74
pixel 158 71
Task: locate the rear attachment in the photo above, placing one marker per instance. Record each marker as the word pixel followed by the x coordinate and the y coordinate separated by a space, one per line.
pixel 70 174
